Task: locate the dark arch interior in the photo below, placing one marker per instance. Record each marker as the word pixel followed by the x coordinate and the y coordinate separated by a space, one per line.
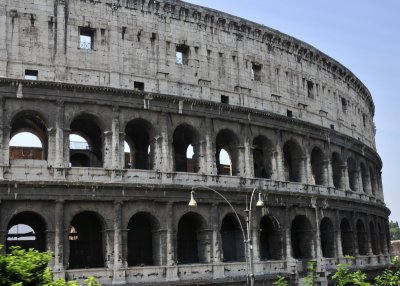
pixel 293 160
pixel 373 238
pixel 327 235
pixel 85 241
pixel 140 240
pixel 381 234
pixel 364 177
pixel 351 169
pixel 337 170
pixel 373 180
pixel 346 237
pixel 301 237
pixel 86 126
pixel 184 136
pixel 317 166
pixel 232 240
pixel 139 135
pixel 27 221
pixel 270 239
pixel 31 122
pixel 362 238
pixel 190 240
pixel 262 156
pixel 228 141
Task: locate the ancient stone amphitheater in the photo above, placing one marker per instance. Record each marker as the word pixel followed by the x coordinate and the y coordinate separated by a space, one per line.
pixel 159 90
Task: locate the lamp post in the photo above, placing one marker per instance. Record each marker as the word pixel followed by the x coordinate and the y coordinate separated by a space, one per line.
pixel 247 237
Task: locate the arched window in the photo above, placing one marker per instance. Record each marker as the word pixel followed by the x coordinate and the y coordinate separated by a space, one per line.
pixel 227 141
pixel 86 241
pixel 141 229
pixel 271 245
pixel 262 157
pixel 86 143
pixel 139 137
pixel 337 174
pixel 317 166
pixel 362 238
pixel 351 170
pixel 301 237
pixel 293 161
pixel 191 241
pixel 232 240
pixel 186 143
pixel 27 230
pixel 364 177
pixel 373 238
pixel 327 236
pixel 346 237
pixel 28 136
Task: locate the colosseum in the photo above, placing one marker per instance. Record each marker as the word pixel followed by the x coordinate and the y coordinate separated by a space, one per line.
pixel 272 139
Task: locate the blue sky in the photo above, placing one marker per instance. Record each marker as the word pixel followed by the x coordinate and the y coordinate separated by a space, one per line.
pixel 363 35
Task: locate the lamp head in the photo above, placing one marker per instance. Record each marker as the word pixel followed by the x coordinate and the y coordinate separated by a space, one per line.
pixel 260 202
pixel 192 202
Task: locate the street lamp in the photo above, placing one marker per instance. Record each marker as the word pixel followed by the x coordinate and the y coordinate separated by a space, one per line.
pixel 247 238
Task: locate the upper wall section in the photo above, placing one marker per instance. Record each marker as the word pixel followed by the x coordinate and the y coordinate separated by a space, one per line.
pixel 172 47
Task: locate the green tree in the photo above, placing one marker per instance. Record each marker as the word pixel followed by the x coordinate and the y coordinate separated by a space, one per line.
pixel 29 268
pixel 394 230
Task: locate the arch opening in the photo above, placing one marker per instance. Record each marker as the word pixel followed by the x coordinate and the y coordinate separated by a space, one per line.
pixel 271 244
pixel 373 238
pixel 86 142
pixel 262 157
pixel 232 240
pixel 139 137
pixel 327 235
pixel 191 241
pixel 337 167
pixel 301 237
pixel 362 238
pixel 186 145
pixel 27 230
pixel 293 161
pixel 86 241
pixel 226 140
pixel 346 234
pixel 351 170
pixel 364 177
pixel 317 166
pixel 373 180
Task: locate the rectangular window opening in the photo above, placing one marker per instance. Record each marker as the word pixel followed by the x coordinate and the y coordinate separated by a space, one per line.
pixel 332 127
pixel 310 89
pixel 256 71
pixel 31 74
pixel 224 99
pixel 86 38
pixel 182 54
pixel 344 105
pixel 137 85
pixel 289 113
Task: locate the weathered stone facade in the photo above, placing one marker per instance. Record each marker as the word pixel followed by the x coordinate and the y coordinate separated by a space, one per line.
pixel 160 76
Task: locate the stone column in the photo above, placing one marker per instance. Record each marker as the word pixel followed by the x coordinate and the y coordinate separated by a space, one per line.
pixel 59 160
pixel 172 270
pixel 255 233
pixel 345 183
pixel 370 252
pixel 164 161
pixel 358 181
pixel 66 133
pixel 248 170
pixel 116 147
pixel 216 247
pixel 3 42
pixel 59 236
pixel 107 149
pixel 355 236
pixel 339 249
pixel 61 49
pixel 307 176
pixel 280 170
pixel 119 275
pixel 211 166
pixel 288 235
pixel 328 173
pixel 318 250
pixel 3 232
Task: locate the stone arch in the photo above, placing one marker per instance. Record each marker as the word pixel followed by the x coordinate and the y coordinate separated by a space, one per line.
pixel 262 157
pixel 232 239
pixel 362 238
pixel 89 127
pixel 364 177
pixel 381 235
pixel 191 241
pixel 32 122
pixel 372 177
pixel 228 141
pixel 373 238
pixel 293 161
pixel 351 171
pixel 301 237
pixel 317 166
pixel 26 229
pixel 346 234
pixel 86 241
pixel 142 240
pixel 327 235
pixel 271 244
pixel 184 136
pixel 337 167
pixel 139 136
